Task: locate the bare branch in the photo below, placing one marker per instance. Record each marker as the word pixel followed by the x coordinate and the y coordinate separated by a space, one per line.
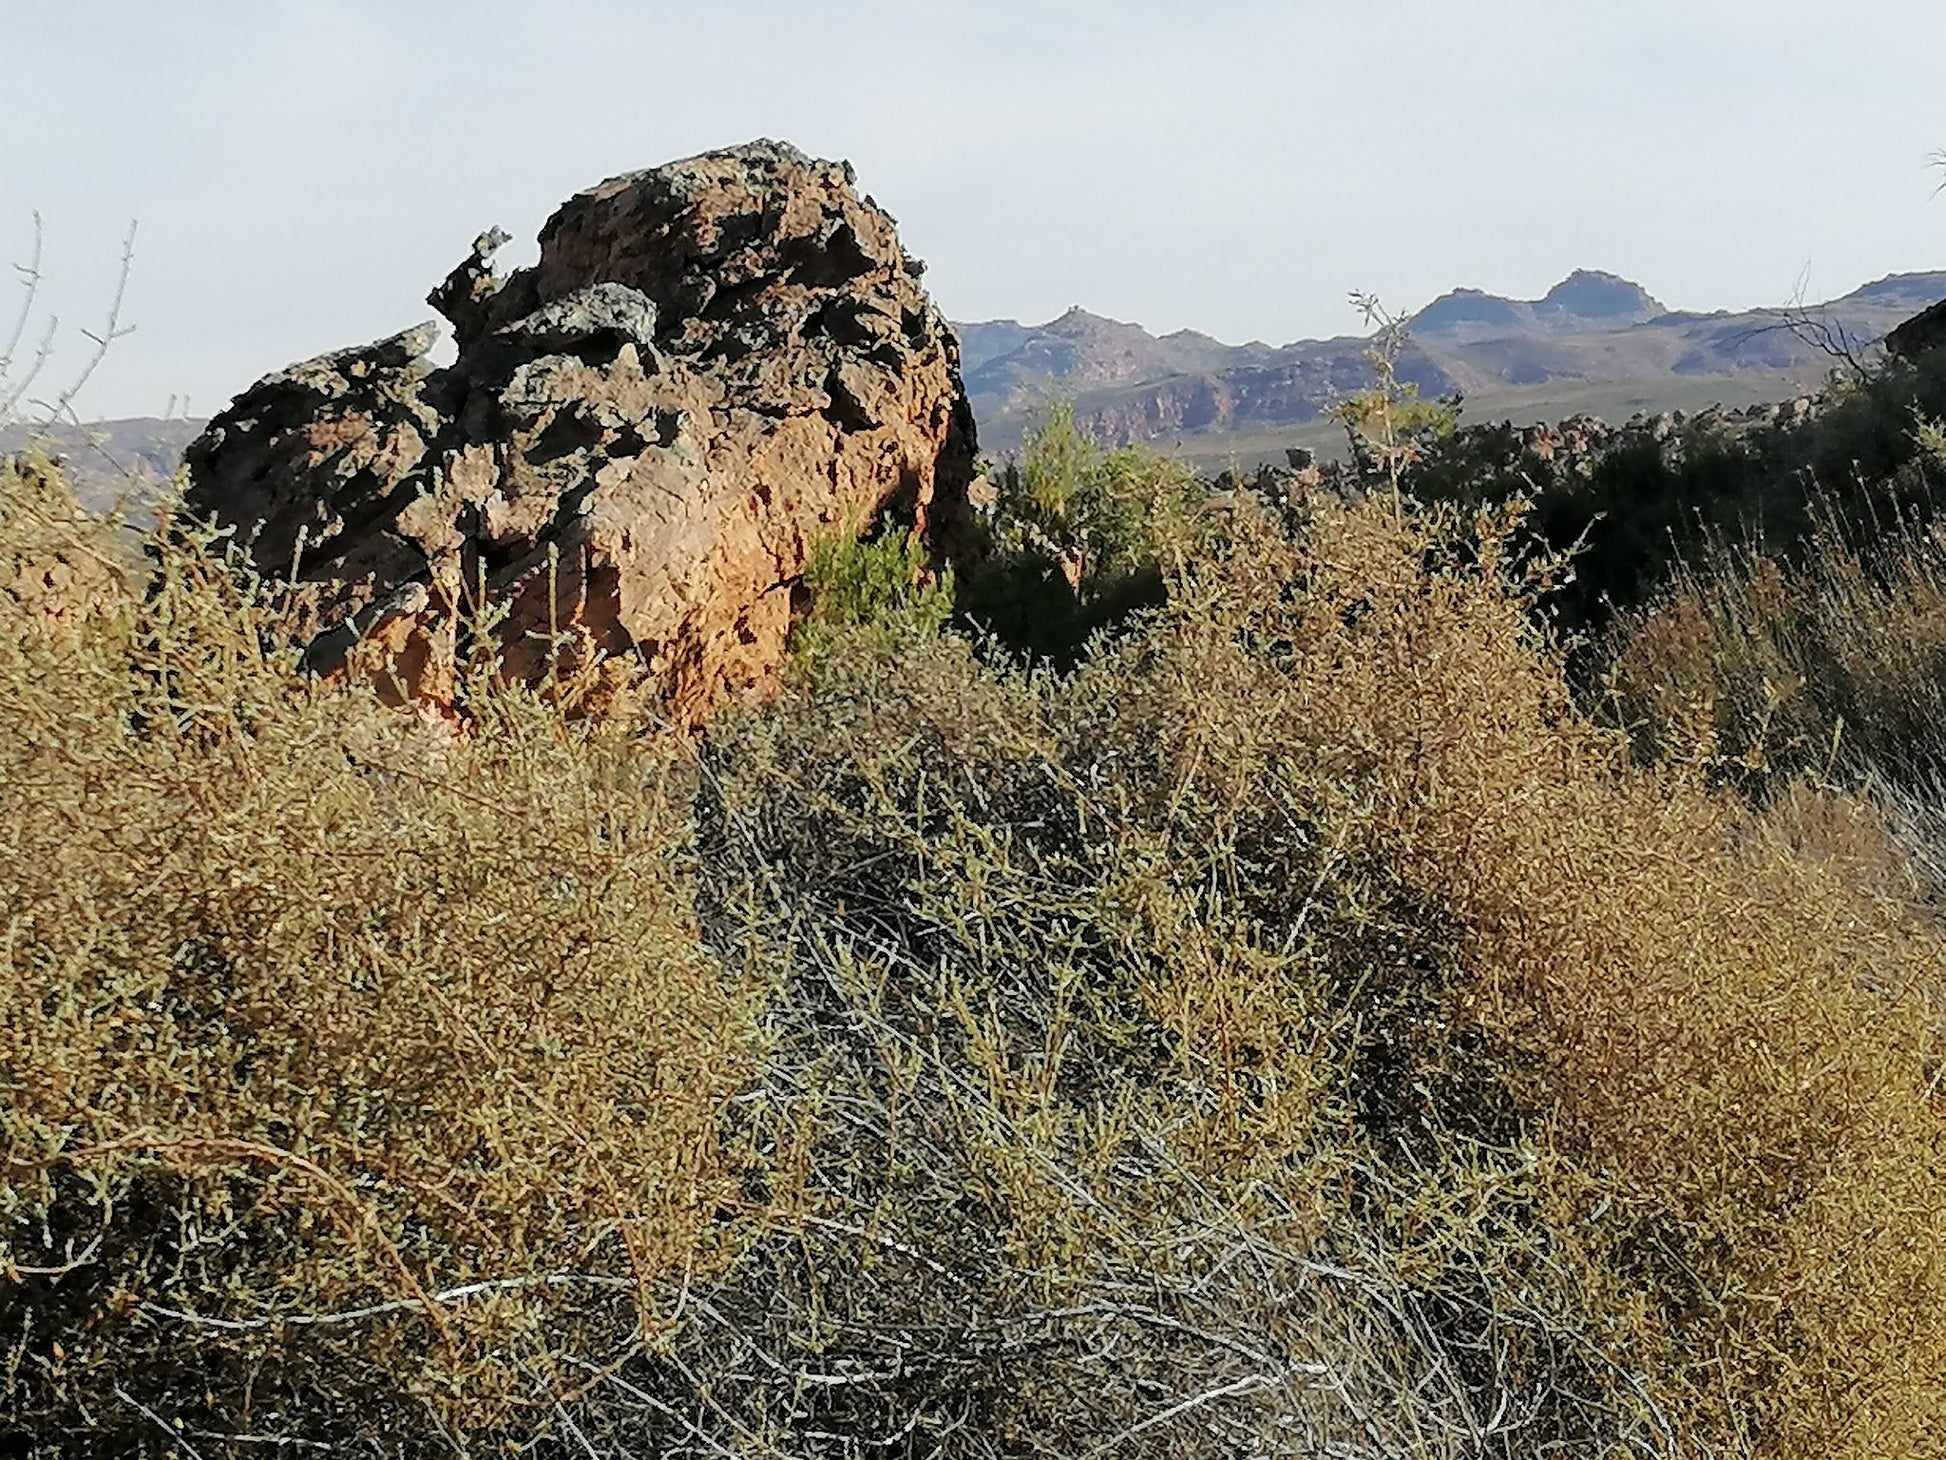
pixel 272 1442
pixel 402 1305
pixel 1248 1384
pixel 14 395
pixel 1814 325
pixel 112 331
pixel 62 410
pixel 175 1435
pixel 30 277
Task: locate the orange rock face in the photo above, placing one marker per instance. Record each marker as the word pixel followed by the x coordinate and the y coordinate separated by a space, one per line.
pixel 713 365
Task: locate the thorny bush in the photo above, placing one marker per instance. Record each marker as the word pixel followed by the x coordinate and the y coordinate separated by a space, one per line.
pixel 1301 1031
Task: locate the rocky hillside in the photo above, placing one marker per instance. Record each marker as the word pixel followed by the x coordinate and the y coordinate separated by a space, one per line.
pixel 1586 300
pixel 1532 358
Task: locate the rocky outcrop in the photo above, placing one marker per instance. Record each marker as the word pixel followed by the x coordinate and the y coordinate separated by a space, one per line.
pixel 1925 331
pixel 713 364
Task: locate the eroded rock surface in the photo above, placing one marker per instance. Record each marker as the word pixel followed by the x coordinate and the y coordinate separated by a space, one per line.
pixel 712 365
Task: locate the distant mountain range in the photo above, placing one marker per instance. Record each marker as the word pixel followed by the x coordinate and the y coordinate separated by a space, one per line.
pixel 123 464
pixel 1595 341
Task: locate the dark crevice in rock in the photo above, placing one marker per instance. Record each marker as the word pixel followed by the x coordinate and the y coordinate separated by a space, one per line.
pixel 846 411
pixel 728 349
pixel 829 263
pixel 729 302
pixel 567 434
pixel 356 522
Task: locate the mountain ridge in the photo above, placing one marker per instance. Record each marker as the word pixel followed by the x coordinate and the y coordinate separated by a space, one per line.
pixel 1591 329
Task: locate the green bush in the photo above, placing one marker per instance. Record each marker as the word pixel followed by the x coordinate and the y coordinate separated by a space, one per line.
pixel 1077 539
pixel 881 587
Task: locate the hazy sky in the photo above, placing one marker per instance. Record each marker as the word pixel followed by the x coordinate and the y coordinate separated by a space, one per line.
pixel 304 172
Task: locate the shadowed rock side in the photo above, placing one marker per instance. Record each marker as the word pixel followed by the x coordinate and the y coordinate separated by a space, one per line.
pixel 1923 332
pixel 713 364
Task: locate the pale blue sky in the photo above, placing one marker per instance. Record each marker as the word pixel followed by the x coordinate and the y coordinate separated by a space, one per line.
pixel 303 171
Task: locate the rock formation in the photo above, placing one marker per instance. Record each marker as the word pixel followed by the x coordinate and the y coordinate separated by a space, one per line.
pixel 1923 332
pixel 713 364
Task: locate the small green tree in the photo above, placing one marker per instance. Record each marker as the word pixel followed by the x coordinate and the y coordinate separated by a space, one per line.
pixel 1078 536
pixel 880 590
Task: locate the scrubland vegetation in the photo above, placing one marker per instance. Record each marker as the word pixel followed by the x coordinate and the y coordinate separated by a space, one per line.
pixel 1270 972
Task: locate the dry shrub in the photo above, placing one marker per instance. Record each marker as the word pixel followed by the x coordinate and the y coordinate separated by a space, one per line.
pixel 1297 1031
pixel 1068 1118
pixel 1301 1031
pixel 352 1074
pixel 57 567
pixel 1834 663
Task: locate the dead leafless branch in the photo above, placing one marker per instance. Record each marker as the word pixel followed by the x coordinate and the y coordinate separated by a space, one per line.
pixel 61 411
pixel 442 1299
pixel 30 278
pixel 175 1435
pixel 1813 325
pixel 111 331
pixel 12 392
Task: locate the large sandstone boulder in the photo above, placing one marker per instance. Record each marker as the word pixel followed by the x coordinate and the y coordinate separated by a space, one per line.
pixel 714 364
